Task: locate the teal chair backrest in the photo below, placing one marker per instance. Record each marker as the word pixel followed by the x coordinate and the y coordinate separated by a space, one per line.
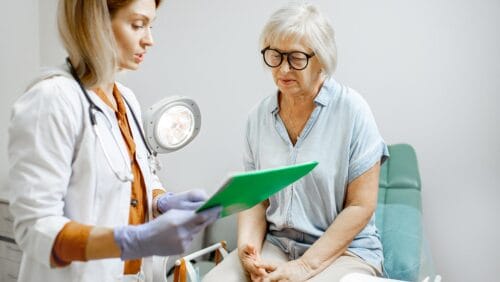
pixel 399 213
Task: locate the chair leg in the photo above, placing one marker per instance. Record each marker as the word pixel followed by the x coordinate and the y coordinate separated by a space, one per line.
pixel 218 255
pixel 180 272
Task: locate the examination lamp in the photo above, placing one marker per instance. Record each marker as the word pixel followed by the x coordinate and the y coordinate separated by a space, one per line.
pixel 171 124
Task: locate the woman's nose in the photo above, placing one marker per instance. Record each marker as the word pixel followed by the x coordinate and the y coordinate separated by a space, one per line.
pixel 284 67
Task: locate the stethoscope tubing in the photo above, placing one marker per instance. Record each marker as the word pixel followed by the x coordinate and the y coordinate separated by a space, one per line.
pixel 123 178
pixel 94 108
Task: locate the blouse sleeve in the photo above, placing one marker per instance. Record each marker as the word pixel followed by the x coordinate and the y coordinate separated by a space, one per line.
pixel 367 146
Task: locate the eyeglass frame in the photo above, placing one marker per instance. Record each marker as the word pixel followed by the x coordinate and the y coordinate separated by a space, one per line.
pixel 308 56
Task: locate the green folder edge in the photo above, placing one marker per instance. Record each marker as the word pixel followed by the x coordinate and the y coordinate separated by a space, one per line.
pixel 244 190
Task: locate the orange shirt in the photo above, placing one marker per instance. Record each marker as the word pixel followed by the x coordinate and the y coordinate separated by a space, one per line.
pixel 71 242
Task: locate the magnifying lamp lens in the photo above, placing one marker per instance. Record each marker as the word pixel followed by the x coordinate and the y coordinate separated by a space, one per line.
pixel 175 126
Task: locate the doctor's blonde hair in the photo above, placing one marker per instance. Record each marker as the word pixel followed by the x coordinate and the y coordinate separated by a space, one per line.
pixel 85 30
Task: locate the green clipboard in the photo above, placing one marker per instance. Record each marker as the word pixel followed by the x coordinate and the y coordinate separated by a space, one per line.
pixel 244 190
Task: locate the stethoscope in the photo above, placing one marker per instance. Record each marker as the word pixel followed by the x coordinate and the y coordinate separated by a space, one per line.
pixel 124 176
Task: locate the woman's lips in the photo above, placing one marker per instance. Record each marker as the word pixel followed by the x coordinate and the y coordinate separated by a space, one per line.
pixel 286 82
pixel 139 58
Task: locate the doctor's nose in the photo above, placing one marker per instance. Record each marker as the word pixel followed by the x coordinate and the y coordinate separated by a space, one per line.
pixel 147 39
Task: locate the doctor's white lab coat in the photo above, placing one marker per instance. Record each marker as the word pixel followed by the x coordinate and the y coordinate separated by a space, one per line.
pixel 58 173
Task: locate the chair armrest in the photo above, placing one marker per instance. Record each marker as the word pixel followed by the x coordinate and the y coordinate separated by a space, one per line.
pixel 184 268
pixel 221 247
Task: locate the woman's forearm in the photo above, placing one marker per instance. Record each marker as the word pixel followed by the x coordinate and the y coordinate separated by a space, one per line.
pixel 337 238
pixel 360 204
pixel 252 226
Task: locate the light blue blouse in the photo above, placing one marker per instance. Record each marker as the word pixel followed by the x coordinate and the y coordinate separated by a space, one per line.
pixel 342 136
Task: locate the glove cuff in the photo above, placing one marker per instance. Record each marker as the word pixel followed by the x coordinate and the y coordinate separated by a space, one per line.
pixel 127 238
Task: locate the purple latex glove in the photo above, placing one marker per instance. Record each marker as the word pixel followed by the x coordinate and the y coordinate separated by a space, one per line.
pixel 189 200
pixel 168 234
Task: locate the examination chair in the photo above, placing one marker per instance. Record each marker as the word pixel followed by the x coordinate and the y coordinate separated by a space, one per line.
pixel 398 218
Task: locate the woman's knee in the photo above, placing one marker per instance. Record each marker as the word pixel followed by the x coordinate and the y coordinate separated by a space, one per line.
pixel 229 269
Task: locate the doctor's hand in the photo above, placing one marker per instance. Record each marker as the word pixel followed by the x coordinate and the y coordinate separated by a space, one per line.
pixel 168 234
pixel 253 264
pixel 189 200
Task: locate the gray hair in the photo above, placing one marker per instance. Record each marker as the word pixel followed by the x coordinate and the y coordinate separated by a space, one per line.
pixel 303 21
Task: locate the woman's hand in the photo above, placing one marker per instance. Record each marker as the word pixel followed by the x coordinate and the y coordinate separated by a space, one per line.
pixel 253 264
pixel 295 270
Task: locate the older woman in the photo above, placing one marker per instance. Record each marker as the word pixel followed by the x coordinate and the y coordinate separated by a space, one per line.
pixel 321 227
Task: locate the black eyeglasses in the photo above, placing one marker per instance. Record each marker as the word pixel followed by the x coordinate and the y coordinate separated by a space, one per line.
pixel 297 60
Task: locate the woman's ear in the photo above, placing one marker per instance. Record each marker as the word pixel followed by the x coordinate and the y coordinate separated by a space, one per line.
pixel 322 73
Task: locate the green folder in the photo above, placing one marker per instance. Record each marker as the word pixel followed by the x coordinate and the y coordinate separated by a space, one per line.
pixel 244 190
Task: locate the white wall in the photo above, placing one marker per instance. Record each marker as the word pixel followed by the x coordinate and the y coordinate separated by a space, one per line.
pixel 19 60
pixel 429 70
pixel 51 50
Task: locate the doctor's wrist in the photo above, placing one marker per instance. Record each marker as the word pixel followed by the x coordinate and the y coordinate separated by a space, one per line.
pixel 157 194
pixel 101 244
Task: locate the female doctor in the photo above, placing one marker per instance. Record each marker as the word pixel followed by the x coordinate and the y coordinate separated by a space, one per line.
pixel 86 205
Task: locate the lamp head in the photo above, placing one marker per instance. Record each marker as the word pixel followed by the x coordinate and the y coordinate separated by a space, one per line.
pixel 171 124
